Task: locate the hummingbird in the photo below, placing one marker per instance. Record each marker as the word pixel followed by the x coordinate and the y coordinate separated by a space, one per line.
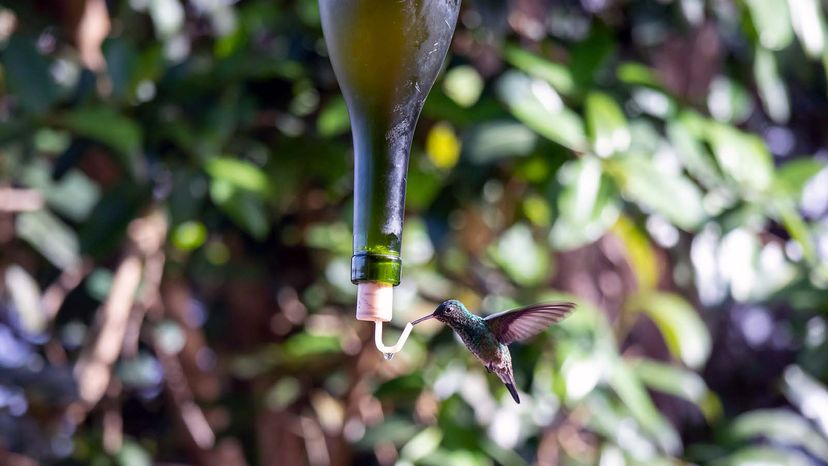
pixel 487 337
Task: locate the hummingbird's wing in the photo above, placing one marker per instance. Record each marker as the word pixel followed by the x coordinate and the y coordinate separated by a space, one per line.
pixel 526 322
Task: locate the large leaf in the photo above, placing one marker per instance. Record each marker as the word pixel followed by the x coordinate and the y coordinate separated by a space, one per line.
pixel 106 126
pixel 781 426
pixel 239 174
pixel 679 382
pixel 491 141
pixel 681 327
pixel 670 194
pixel 245 208
pixel 808 394
pixel 685 134
pixel 524 260
pixel 26 73
pixel 772 21
pixel 587 206
pixel 635 397
pixel 556 74
pixel 729 101
pixel 792 177
pixel 809 25
pixel 422 444
pixel 639 251
pixel 25 294
pixel 742 157
pixel 763 456
pixel 606 125
pixel 535 103
pixel 771 86
pixel 50 236
pixel 73 196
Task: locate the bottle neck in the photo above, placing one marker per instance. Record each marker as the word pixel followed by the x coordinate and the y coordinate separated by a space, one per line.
pixel 380 168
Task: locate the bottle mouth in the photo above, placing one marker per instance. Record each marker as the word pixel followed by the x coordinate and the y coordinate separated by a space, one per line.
pixel 379 268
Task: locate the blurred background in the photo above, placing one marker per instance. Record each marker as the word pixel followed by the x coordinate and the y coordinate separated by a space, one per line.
pixel 175 215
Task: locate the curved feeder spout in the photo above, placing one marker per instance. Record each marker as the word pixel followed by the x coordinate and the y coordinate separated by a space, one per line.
pixel 374 303
pixel 388 352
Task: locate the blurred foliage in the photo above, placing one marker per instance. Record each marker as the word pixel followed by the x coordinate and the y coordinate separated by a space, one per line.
pixel 660 163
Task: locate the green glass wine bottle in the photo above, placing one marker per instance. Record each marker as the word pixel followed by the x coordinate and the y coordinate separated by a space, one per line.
pixel 386 55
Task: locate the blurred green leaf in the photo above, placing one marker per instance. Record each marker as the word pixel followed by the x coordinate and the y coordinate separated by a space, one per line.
pixel 73 196
pixel 809 25
pixel 728 101
pixel 587 206
pixel 780 426
pixel 98 283
pixel 133 454
pixel 304 345
pixel 806 393
pixel 792 176
pixel 239 174
pixel 771 86
pixel 681 327
pixel 107 126
pixel 669 194
pixel 26 296
pixel 441 457
pixel 523 259
pixel 588 56
pixel 681 383
pixel 762 455
pixel 556 74
pixel 686 138
pixel 640 253
pixel 422 444
pixel 49 236
pixel 772 22
pixel 796 227
pixel 606 125
pixel 283 393
pixel 117 207
pixel 742 157
pixel 245 209
pixel 489 142
pixel 632 392
pixel 503 456
pixel 636 73
pixel 189 235
pixel 396 430
pixel 26 73
pixel 333 119
pixel 422 187
pixel 463 84
pixel 535 103
pixel 403 388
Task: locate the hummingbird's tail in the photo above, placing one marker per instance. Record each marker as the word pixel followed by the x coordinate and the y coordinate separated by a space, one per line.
pixel 513 392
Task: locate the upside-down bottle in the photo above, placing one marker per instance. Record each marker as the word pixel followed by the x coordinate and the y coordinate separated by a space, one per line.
pixel 386 55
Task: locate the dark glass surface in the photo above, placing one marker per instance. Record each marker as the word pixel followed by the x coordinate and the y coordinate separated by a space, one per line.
pixel 386 55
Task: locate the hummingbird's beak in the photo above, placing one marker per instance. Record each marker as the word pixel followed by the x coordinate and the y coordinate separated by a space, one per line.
pixel 415 322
